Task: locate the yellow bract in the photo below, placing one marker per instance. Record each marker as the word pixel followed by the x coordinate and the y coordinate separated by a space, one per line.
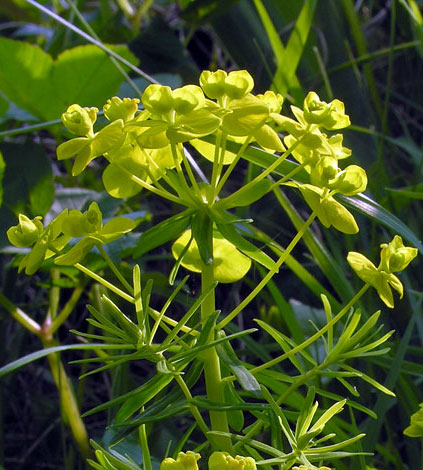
pixel 229 264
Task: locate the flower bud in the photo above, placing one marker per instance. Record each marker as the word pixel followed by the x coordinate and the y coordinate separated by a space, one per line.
pixel 73 224
pixel 351 181
pixel 79 120
pixel 238 84
pixel 395 256
pixel 157 99
pixel 189 460
pixel 315 111
pixel 188 98
pixel 26 233
pixel 223 461
pixel 93 218
pixel 184 461
pixel 213 83
pixel 328 115
pixel 273 100
pixel 171 464
pixel 325 170
pixel 337 118
pixel 125 109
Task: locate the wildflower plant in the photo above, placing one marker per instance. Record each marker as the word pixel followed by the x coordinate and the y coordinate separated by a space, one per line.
pixel 243 416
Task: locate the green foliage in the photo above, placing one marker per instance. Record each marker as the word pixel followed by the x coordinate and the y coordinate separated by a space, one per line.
pixel 45 87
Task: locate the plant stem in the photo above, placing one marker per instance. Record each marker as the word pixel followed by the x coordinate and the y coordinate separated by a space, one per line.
pixel 20 316
pixel 115 270
pixel 194 410
pixel 67 309
pixel 269 275
pixel 189 170
pixel 182 180
pixel 67 399
pixel 232 165
pixel 214 384
pixel 146 459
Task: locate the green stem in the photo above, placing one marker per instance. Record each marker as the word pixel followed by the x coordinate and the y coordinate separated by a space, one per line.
pixel 213 180
pixel 54 294
pixel 189 171
pixel 181 175
pixel 260 286
pixel 288 175
pixel 214 384
pixel 67 309
pixel 105 283
pixel 20 316
pixel 194 410
pixel 154 165
pixel 146 458
pixel 232 165
pixel 64 386
pixel 67 399
pixel 153 189
pixel 275 164
pixel 115 270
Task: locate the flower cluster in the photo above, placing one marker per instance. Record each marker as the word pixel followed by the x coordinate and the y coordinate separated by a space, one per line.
pixel 49 241
pixel 394 257
pixel 144 149
pixel 319 154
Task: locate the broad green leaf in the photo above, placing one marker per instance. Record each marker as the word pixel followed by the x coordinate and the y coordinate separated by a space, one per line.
pixel 247 115
pixel 118 225
pixel 85 75
pixel 162 232
pixel 28 181
pixel 329 211
pixel 116 177
pixel 25 77
pixel 33 81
